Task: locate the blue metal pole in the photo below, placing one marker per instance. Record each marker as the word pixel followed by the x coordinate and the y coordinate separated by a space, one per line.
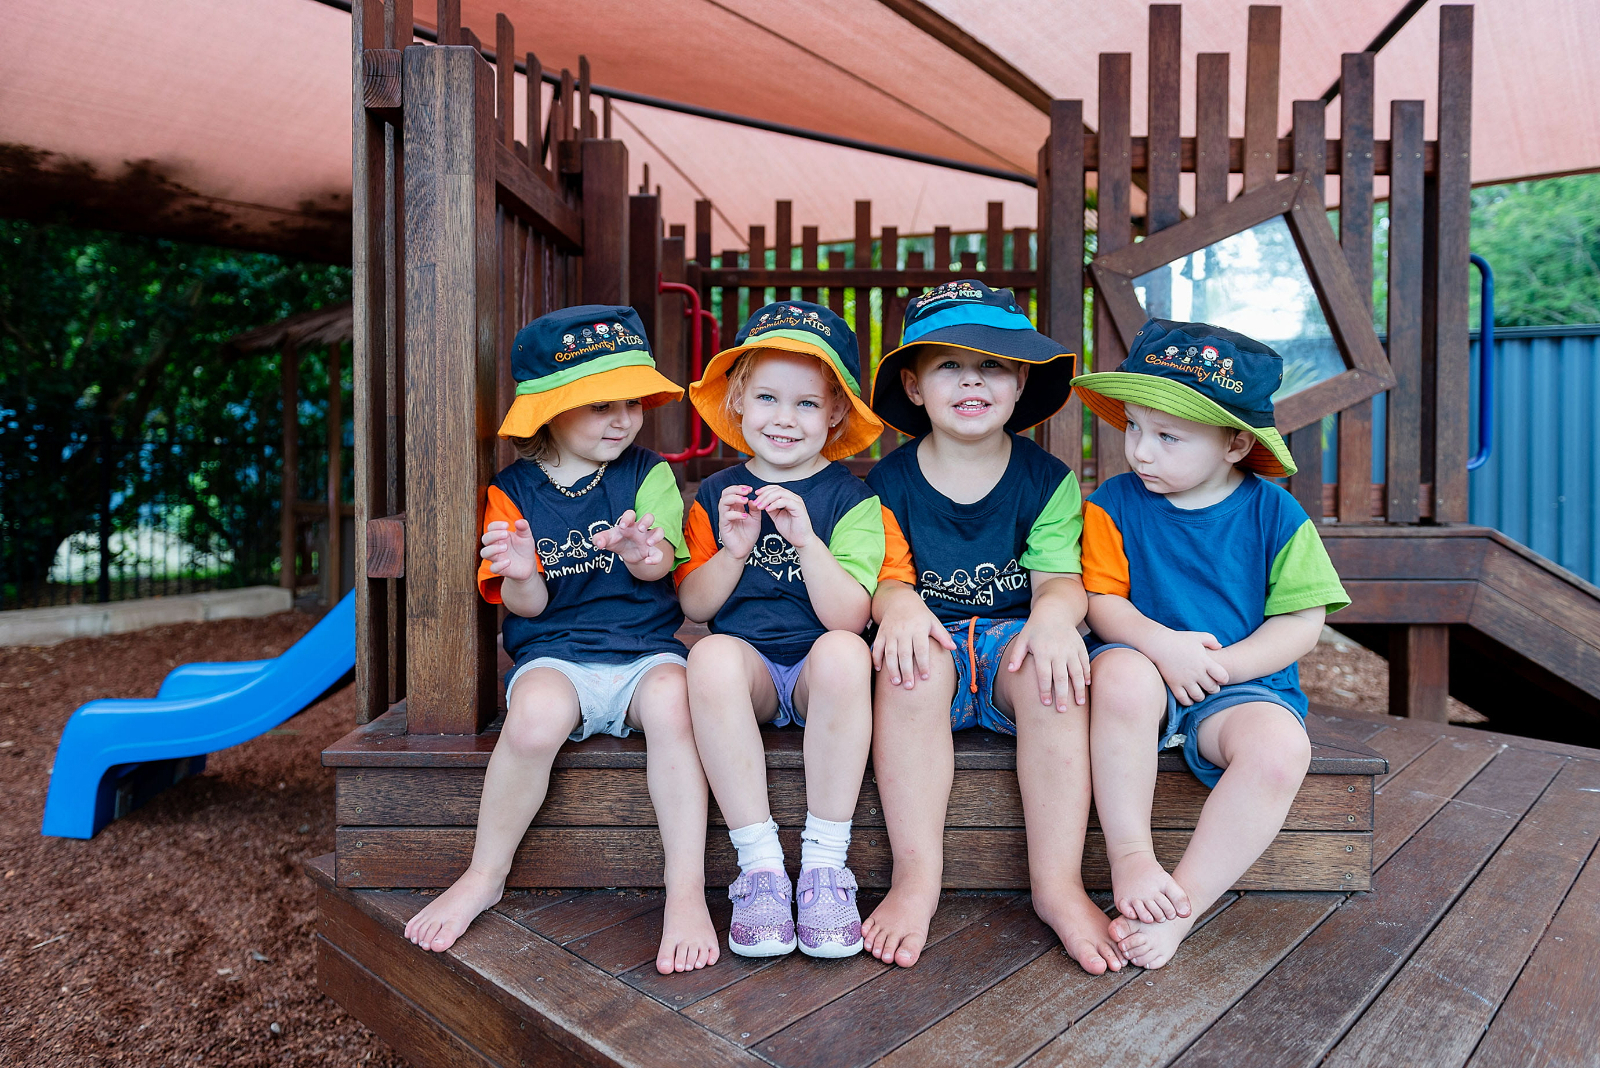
pixel 1485 363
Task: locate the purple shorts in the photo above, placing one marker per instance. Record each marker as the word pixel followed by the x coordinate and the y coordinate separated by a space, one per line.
pixel 784 676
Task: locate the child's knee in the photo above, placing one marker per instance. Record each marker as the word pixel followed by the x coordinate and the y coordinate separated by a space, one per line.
pixel 1124 684
pixel 538 722
pixel 663 695
pixel 842 654
pixel 1275 748
pixel 716 659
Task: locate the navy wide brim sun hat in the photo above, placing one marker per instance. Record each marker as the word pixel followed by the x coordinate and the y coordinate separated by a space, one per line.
pixel 967 314
pixel 1202 373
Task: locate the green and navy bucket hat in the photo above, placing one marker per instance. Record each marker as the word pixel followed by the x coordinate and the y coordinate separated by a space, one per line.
pixel 791 326
pixel 1202 373
pixel 591 354
pixel 967 314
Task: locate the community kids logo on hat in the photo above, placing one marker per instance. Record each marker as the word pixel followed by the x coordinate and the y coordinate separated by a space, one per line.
pixel 791 326
pixel 592 354
pixel 1202 373
pixel 967 314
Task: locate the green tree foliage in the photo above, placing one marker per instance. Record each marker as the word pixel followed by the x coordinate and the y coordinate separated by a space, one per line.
pixel 102 331
pixel 1543 241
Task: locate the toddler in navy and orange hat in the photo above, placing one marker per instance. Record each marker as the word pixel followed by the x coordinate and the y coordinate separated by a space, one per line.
pixel 580 536
pixel 1206 584
pixel 978 624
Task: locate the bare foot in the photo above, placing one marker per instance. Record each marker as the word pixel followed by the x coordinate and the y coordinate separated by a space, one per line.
pixel 898 928
pixel 1150 945
pixel 688 940
pixel 1082 928
pixel 444 919
pixel 1144 891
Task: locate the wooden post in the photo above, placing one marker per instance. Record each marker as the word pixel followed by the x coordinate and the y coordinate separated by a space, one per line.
pixel 1355 237
pixel 289 378
pixel 994 238
pixel 1454 214
pixel 941 259
pixel 862 257
pixel 374 208
pixel 808 259
pixel 1115 232
pixel 1162 151
pixel 783 242
pixel 1261 96
pixel 1305 444
pixel 1404 409
pixel 702 233
pixel 505 76
pixel 605 222
pixel 332 564
pixel 731 320
pixel 1061 247
pixel 1210 131
pixel 644 275
pixel 451 308
pixel 1419 671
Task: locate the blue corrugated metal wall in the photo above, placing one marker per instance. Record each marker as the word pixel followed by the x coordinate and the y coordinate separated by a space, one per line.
pixel 1541 484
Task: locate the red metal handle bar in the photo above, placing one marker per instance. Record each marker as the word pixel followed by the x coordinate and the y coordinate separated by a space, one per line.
pixel 694 313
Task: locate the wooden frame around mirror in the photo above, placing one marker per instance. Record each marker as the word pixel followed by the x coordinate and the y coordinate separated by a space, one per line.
pixel 1295 198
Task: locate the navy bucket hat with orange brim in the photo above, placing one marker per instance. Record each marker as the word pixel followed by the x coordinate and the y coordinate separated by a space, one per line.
pixel 1202 373
pixel 801 327
pixel 967 314
pixel 591 354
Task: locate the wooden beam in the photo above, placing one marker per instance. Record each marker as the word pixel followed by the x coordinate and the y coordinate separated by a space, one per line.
pixel 1211 142
pixel 532 200
pixel 1355 239
pixel 386 547
pixel 1419 671
pixel 1261 96
pixel 1454 214
pixel 1162 153
pixel 1305 444
pixel 451 308
pixel 605 222
pixel 851 276
pixel 380 82
pixel 1061 246
pixel 1404 409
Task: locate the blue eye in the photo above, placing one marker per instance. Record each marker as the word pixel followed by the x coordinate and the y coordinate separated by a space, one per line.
pixel 991 365
pixel 809 403
pixel 769 398
pixel 1168 437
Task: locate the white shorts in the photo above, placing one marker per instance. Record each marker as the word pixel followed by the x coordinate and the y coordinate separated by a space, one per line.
pixel 604 690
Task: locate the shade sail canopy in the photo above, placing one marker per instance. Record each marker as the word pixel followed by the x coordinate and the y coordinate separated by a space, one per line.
pixel 229 120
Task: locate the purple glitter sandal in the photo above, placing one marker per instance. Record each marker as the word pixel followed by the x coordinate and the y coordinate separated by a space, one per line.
pixel 763 925
pixel 830 923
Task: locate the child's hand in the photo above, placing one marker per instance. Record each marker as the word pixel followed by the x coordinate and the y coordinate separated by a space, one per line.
pixel 738 526
pixel 902 647
pixel 1184 659
pixel 1060 660
pixel 635 540
pixel 788 514
pixel 510 550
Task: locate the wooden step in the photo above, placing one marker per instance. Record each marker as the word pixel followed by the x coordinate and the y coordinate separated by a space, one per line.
pixel 407 807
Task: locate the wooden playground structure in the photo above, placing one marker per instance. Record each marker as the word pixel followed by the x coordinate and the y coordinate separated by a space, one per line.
pixel 466 227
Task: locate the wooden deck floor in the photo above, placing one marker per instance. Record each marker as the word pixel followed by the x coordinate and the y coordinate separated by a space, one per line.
pixel 1479 944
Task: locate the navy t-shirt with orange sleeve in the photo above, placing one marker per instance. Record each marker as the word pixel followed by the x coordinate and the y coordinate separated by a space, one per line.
pixel 1222 569
pixel 975 559
pixel 770 607
pixel 598 612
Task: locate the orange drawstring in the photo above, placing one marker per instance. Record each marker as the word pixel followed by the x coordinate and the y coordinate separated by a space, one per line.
pixel 972 654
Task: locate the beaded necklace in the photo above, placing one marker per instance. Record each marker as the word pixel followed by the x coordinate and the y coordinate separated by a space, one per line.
pixel 565 492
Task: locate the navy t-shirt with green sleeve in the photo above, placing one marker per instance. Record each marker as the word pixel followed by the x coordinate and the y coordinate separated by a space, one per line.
pixel 770 607
pixel 974 559
pixel 1222 569
pixel 598 612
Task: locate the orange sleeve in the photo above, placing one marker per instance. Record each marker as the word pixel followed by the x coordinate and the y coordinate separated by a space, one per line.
pixel 498 509
pixel 896 553
pixel 1105 564
pixel 702 544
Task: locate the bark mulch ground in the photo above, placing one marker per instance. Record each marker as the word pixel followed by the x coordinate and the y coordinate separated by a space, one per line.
pixel 182 934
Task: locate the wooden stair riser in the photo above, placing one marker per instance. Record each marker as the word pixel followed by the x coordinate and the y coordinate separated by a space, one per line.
pixel 591 797
pixel 974 858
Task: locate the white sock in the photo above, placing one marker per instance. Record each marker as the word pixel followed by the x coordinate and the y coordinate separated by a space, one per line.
pixel 824 843
pixel 758 846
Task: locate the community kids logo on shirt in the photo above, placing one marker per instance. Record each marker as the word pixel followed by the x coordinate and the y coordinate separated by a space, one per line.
pixel 576 555
pixel 777 558
pixel 975 588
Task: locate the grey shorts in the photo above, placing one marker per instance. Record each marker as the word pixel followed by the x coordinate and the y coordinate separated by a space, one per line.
pixel 604 690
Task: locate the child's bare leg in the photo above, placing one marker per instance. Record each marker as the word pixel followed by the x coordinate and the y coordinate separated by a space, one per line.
pixel 1265 753
pixel 660 707
pixel 544 710
pixel 1126 704
pixel 834 693
pixel 730 695
pixel 913 759
pixel 1053 776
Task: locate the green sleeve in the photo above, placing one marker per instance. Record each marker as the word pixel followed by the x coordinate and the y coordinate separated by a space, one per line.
pixel 858 542
pixel 1303 576
pixel 658 494
pixel 1055 539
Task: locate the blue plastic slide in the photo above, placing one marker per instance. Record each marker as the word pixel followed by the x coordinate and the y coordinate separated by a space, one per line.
pixel 116 754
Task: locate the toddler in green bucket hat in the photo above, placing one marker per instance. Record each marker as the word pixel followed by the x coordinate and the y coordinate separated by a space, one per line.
pixel 1206 584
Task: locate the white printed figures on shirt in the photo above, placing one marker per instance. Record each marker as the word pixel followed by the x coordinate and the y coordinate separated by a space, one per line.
pixel 579 550
pixel 977 588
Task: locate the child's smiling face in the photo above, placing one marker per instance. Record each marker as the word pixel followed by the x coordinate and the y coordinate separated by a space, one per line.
pixel 968 395
pixel 787 411
pixel 596 433
pixel 1174 456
